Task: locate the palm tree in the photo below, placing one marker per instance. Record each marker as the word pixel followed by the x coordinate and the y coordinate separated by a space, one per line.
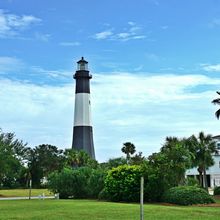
pixel 203 147
pixel 217 102
pixel 80 158
pixel 129 149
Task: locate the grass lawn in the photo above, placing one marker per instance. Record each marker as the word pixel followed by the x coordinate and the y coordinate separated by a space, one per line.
pixel 95 210
pixel 23 192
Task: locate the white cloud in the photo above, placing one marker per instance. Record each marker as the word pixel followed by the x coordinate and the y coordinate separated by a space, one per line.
pixel 36 70
pixel 152 57
pixel 70 44
pixel 211 68
pixel 140 108
pixel 131 32
pixel 11 24
pixel 131 23
pixel 8 64
pixel 37 114
pixel 103 35
pixel 42 37
pixel 165 27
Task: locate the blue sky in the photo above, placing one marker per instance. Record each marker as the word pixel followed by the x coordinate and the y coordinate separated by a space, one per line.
pixel 155 67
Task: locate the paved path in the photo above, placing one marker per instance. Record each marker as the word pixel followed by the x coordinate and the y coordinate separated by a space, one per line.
pixel 26 197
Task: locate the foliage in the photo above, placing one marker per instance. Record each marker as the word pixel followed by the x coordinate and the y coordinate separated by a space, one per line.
pixel 69 183
pixel 217 190
pixel 166 169
pixel 171 162
pixel 191 181
pixel 156 182
pixel 103 195
pixel 187 195
pixel 202 148
pixel 113 162
pixel 76 159
pixel 12 151
pixel 123 183
pixel 95 183
pixel 217 102
pixel 43 160
pixel 137 159
pixel 83 182
pixel 129 149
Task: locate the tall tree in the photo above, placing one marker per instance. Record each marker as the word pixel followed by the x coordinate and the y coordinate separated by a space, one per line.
pixel 202 147
pixel 178 158
pixel 11 159
pixel 43 160
pixel 166 168
pixel 217 102
pixel 129 149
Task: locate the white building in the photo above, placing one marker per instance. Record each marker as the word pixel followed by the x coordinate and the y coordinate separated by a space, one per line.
pixel 213 173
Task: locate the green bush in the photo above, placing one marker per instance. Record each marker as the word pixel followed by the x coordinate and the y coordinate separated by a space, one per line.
pixel 123 183
pixel 217 190
pixel 187 195
pixel 191 181
pixel 81 182
pixel 95 183
pixel 154 187
pixel 103 195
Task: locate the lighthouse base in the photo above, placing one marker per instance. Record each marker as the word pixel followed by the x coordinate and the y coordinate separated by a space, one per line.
pixel 83 139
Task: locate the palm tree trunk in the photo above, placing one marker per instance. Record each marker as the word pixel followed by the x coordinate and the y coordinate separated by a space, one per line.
pixel 205 179
pixel 200 176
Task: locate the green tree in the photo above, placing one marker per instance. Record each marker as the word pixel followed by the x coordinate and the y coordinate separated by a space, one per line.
pixel 171 162
pixel 76 159
pixel 202 147
pixel 11 159
pixel 129 149
pixel 137 159
pixel 113 162
pixel 43 160
pixel 217 102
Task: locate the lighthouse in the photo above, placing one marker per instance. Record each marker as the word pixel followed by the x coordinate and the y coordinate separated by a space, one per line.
pixel 82 129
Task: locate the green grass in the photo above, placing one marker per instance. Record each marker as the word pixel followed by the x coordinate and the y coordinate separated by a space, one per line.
pixel 23 192
pixel 95 210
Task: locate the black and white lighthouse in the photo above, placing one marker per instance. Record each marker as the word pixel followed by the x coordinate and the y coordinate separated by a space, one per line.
pixel 82 130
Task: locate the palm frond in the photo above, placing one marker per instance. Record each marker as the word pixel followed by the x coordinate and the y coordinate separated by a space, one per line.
pixel 216 101
pixel 217 114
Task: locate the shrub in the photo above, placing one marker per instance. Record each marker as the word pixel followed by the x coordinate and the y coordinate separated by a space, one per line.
pixel 187 195
pixel 123 183
pixel 154 187
pixel 68 183
pixel 217 190
pixel 103 195
pixel 190 181
pixel 82 182
pixel 95 183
